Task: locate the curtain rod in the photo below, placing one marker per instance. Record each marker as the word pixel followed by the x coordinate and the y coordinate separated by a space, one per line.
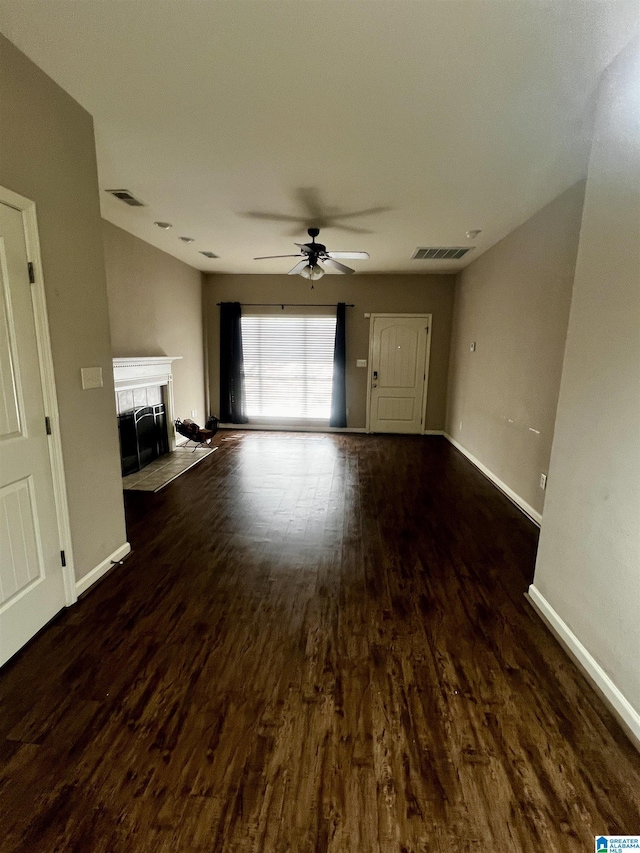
pixel 290 305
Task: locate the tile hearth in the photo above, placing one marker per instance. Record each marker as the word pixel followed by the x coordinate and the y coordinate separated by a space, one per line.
pixel 165 469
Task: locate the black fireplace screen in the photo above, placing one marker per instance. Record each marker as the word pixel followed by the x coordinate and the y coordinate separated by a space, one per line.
pixel 143 437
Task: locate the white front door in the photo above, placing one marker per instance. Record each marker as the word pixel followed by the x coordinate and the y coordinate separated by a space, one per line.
pixel 31 580
pixel 398 373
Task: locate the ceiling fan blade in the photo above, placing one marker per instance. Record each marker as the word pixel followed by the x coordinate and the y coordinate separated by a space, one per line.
pixel 339 267
pixel 275 217
pixel 299 267
pixel 354 256
pixel 366 212
pixel 266 257
pixel 350 228
pixel 303 246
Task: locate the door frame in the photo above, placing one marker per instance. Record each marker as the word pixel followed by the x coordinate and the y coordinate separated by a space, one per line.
pixel 428 318
pixel 45 358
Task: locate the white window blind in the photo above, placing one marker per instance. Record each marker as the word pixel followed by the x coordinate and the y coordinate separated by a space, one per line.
pixel 288 366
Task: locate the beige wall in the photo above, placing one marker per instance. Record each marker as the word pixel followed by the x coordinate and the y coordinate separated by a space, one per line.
pixel 155 308
pixel 410 294
pixel 47 153
pixel 588 565
pixel 514 303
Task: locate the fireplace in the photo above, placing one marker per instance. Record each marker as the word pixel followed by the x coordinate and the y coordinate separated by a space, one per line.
pixel 144 403
pixel 143 437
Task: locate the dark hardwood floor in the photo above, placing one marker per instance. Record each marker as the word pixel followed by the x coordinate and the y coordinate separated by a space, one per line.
pixel 319 643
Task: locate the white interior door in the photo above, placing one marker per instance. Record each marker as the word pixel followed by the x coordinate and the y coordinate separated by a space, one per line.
pixel 398 373
pixel 31 579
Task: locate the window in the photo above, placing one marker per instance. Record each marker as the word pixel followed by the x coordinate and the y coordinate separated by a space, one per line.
pixel 288 366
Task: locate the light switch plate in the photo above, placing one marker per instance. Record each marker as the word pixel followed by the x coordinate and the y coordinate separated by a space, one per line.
pixel 361 362
pixel 91 377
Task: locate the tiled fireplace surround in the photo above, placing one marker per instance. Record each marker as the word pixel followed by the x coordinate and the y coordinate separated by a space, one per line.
pixel 134 398
pixel 146 381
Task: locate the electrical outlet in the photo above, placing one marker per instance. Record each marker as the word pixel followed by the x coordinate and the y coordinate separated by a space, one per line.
pixel 543 481
pixel 472 346
pixel 460 427
pixel 194 413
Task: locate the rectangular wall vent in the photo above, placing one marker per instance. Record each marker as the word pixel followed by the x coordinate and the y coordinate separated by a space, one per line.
pixel 209 255
pixel 450 253
pixel 126 197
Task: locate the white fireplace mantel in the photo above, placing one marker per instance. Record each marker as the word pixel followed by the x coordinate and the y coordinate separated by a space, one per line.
pixel 143 371
pixel 139 372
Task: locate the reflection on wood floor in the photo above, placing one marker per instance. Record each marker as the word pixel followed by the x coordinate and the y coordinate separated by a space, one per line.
pixel 319 645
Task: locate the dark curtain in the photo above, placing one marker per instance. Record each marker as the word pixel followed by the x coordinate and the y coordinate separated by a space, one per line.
pixel 232 403
pixel 339 391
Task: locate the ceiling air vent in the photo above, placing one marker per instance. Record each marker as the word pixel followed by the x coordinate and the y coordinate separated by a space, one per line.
pixel 126 197
pixel 209 255
pixel 450 253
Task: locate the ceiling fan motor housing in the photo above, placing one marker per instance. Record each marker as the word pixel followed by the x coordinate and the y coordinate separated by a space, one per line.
pixel 314 249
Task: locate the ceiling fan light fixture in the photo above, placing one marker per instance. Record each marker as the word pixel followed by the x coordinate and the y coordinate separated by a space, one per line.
pixel 313 272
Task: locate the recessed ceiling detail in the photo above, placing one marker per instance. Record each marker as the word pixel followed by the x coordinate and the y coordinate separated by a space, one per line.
pixel 450 253
pixel 126 197
pixel 389 150
pixel 209 255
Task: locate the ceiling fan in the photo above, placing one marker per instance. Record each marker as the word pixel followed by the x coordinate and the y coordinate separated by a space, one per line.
pixel 312 253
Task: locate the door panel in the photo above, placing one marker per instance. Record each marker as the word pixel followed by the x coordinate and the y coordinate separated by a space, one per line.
pixel 399 349
pixel 10 414
pixel 396 408
pixel 20 560
pixel 31 580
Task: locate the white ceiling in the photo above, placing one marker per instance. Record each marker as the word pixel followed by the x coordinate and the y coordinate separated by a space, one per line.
pixel 438 116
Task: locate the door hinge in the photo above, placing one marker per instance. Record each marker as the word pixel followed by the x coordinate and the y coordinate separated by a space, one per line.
pixel 32 275
pixel 47 425
pixel 63 559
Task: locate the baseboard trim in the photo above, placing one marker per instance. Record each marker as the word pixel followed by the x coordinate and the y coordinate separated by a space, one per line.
pixel 102 568
pixel 522 505
pixel 275 428
pixel 619 705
